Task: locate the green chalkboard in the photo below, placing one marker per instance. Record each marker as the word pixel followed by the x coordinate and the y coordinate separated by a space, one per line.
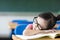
pixel 30 5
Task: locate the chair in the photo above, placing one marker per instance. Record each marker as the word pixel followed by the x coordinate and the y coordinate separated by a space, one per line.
pixel 22 21
pixel 22 25
pixel 19 29
pixel 58 27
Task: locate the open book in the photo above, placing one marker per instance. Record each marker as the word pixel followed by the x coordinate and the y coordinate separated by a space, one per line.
pixel 49 35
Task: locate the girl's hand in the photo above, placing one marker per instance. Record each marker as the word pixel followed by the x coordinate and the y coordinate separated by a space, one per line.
pixel 49 31
pixel 46 31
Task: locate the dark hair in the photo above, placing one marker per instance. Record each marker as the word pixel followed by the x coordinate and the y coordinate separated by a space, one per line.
pixel 50 18
pixel 58 17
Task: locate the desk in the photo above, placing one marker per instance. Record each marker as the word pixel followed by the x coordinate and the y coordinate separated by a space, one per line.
pixel 47 39
pixel 16 38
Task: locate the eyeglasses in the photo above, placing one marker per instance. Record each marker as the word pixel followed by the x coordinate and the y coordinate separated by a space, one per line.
pixel 36 22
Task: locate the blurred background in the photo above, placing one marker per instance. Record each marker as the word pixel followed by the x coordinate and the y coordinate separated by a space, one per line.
pixel 23 9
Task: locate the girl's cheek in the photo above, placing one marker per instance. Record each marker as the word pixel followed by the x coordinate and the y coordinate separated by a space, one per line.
pixel 37 28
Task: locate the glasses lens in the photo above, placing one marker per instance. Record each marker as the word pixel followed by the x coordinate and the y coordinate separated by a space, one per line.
pixel 35 20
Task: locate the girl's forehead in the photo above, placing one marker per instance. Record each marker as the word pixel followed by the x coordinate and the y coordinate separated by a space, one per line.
pixel 41 20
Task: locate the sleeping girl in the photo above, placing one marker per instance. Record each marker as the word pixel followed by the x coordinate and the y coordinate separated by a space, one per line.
pixel 43 23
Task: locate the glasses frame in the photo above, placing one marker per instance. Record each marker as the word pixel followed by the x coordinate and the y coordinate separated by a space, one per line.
pixel 38 25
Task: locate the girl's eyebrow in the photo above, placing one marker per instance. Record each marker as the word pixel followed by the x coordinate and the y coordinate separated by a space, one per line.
pixel 35 17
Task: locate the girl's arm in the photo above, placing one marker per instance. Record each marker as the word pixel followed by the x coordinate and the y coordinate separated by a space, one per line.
pixel 29 32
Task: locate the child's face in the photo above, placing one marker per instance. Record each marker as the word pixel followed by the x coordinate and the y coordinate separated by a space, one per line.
pixel 40 23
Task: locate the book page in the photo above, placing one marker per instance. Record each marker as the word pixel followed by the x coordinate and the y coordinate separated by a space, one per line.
pixel 51 35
